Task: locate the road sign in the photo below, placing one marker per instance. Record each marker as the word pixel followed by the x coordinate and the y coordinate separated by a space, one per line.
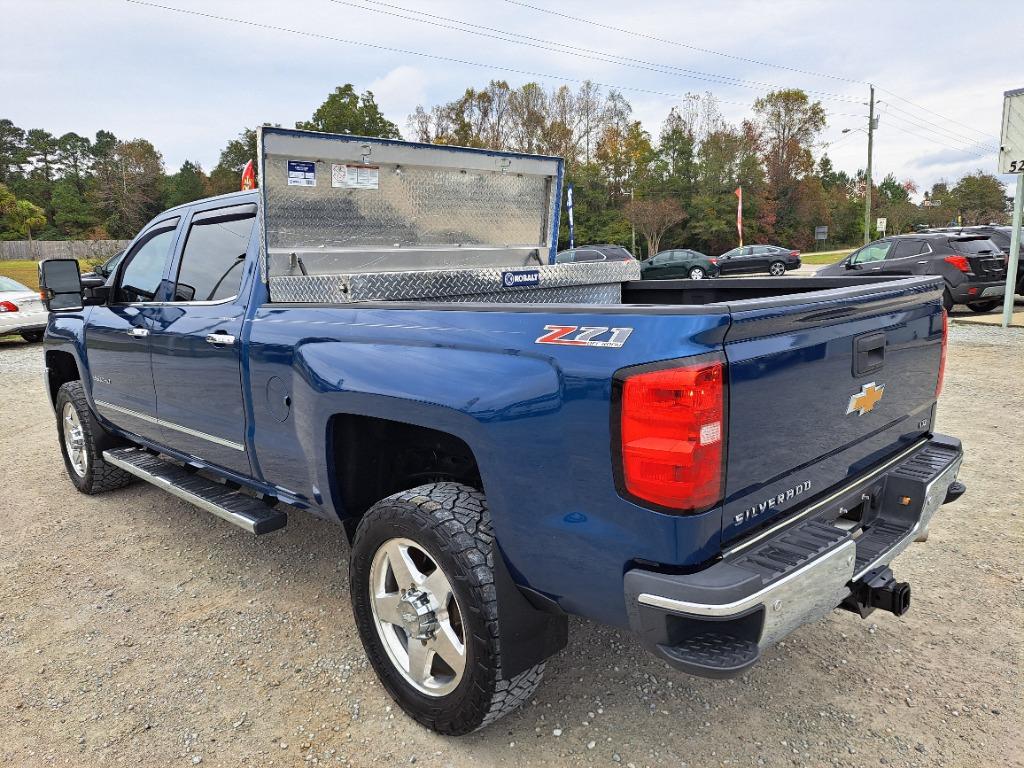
pixel 880 224
pixel 821 233
pixel 1011 143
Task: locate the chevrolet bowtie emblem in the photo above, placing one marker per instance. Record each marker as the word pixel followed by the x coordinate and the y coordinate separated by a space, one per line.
pixel 868 397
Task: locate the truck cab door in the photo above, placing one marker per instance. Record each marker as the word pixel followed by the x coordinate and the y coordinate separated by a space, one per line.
pixel 117 334
pixel 197 338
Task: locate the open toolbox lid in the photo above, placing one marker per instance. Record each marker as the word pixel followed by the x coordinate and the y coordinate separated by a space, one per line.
pixel 336 204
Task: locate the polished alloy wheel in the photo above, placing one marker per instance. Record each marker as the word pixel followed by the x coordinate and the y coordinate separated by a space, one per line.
pixel 417 617
pixel 74 440
pixel 778 269
pixel 696 273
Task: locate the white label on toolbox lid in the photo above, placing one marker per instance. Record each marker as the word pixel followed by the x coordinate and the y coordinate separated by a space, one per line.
pixel 355 176
pixel 301 173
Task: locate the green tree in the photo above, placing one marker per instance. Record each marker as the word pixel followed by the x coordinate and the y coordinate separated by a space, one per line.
pixel 188 184
pixel 12 150
pixel 227 174
pixel 345 111
pixel 73 213
pixel 980 198
pixel 24 217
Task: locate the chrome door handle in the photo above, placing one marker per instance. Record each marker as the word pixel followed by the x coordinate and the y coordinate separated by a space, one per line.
pixel 220 339
pixel 138 333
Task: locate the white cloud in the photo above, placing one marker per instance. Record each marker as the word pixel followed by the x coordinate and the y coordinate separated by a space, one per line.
pixel 399 92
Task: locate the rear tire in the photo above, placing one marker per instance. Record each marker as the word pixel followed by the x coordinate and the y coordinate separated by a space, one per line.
pixel 697 273
pixel 947 300
pixel 440 528
pixel 32 336
pixel 777 268
pixel 82 442
pixel 983 306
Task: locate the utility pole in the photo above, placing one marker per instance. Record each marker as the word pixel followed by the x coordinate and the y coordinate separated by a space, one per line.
pixel 867 186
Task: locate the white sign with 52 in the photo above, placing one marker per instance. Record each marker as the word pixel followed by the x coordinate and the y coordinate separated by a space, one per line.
pixel 1011 146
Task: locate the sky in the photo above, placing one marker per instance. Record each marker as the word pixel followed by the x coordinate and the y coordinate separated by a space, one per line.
pixel 189 82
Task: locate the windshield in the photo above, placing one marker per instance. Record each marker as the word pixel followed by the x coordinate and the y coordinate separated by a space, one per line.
pixel 6 284
pixel 974 247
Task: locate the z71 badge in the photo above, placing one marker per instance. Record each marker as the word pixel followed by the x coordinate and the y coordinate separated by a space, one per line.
pixel 587 336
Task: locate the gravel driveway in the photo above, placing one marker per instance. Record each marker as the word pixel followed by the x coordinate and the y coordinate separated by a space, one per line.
pixel 137 630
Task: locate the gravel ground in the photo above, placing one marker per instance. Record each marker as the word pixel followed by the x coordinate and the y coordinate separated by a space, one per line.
pixel 137 630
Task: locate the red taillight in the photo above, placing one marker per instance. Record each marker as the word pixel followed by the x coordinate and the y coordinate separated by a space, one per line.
pixel 713 261
pixel 7 306
pixel 942 355
pixel 960 262
pixel 672 435
pixel 794 253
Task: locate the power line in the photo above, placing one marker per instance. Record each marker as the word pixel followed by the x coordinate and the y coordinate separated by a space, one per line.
pixel 946 133
pixel 758 62
pixel 409 52
pixel 588 53
pixel 935 141
pixel 682 45
pixel 947 119
pixel 968 145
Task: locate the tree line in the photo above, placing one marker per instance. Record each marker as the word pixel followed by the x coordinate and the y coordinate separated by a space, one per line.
pixel 675 189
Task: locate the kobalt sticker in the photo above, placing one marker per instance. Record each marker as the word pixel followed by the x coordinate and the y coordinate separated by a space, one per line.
pixel 355 176
pixel 520 278
pixel 301 173
pixel 586 336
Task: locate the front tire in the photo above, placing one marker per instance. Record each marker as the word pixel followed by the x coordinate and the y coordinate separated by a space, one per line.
pixel 777 268
pixel 422 583
pixel 697 273
pixel 82 442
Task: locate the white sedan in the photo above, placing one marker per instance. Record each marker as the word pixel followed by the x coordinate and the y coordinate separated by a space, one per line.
pixel 21 310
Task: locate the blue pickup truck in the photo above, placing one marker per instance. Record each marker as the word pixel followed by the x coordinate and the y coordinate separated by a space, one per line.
pixel 380 336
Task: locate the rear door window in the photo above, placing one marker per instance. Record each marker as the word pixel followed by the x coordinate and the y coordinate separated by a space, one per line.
pixel 211 262
pixel 905 248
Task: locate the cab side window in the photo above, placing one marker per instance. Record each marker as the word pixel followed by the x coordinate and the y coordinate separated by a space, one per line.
pixel 869 253
pixel 144 266
pixel 214 252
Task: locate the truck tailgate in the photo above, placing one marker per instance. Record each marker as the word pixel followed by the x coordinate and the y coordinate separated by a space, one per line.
pixel 823 386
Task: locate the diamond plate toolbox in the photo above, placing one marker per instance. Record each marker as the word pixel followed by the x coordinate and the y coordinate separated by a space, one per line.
pixel 585 283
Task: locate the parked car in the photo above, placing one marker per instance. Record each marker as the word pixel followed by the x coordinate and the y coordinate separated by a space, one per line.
pixel 106 269
pixel 973 268
pixel 501 464
pixel 677 263
pixel 999 235
pixel 749 259
pixel 594 253
pixel 21 310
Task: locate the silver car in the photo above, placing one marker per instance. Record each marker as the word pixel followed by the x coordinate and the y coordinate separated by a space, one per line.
pixel 21 310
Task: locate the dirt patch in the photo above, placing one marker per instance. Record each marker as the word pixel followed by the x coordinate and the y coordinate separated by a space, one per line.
pixel 137 630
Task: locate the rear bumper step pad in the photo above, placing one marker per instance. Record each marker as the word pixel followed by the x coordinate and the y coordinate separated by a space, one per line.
pixel 244 511
pixel 716 622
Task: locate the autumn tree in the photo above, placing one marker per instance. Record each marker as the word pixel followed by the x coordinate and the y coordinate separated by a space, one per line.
pixel 652 218
pixel 128 186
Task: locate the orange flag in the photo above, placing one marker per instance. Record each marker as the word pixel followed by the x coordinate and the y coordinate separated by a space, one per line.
pixel 249 176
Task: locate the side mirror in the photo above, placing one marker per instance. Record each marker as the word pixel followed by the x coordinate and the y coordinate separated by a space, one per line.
pixel 60 285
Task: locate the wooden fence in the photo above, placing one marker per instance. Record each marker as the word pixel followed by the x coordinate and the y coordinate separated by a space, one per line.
pixel 37 250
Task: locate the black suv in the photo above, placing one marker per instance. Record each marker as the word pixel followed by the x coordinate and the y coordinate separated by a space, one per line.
pixel 999 235
pixel 973 267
